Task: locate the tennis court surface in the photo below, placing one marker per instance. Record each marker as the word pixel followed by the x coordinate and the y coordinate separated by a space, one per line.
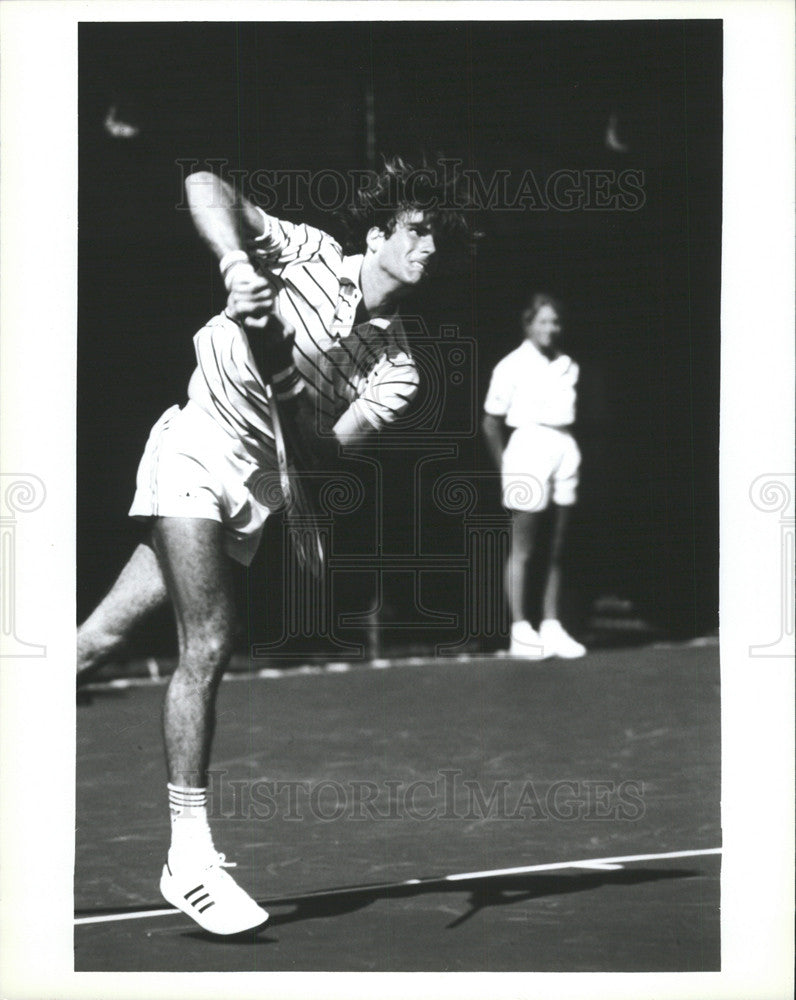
pixel 483 814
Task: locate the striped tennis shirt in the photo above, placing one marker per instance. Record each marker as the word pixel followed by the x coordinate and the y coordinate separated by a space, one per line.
pixel 343 364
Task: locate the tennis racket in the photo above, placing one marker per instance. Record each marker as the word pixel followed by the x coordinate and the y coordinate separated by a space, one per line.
pixel 299 503
pixel 301 509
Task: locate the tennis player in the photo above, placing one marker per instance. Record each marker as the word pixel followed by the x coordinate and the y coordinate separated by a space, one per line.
pixel 529 410
pixel 338 362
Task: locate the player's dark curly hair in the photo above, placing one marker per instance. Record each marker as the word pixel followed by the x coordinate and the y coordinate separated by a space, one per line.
pixel 438 190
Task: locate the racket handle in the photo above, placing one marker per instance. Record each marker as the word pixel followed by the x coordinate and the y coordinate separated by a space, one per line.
pixel 279 444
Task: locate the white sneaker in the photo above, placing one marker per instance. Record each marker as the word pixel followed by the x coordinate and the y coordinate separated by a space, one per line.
pixel 211 897
pixel 525 641
pixel 557 642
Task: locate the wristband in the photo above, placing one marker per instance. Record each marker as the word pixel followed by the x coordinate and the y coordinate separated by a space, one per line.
pixel 287 383
pixel 276 362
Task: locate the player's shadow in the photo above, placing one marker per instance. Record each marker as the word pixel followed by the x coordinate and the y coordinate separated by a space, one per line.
pixel 483 892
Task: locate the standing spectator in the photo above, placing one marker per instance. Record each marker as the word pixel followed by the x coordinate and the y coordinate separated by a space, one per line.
pixel 529 409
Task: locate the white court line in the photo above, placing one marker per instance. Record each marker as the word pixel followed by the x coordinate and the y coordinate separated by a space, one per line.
pixel 597 864
pixel 590 863
pixel 326 668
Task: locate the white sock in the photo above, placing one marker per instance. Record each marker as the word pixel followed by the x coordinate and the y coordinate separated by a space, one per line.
pixel 191 839
pixel 520 627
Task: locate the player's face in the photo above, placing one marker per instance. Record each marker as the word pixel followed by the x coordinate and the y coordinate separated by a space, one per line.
pixel 544 329
pixel 406 254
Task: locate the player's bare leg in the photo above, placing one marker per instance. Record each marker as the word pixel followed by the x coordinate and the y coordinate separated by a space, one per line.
pixel 524 640
pixel 198 578
pixel 556 641
pixel 199 582
pixel 138 591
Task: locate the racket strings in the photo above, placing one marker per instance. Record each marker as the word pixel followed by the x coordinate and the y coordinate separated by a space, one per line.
pixel 300 504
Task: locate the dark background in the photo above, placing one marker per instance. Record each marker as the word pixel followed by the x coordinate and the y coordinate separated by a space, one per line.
pixel 642 287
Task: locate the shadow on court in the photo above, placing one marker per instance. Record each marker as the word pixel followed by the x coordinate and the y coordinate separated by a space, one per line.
pixel 482 892
pixel 647 716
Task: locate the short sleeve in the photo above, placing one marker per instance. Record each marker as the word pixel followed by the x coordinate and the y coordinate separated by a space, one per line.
pixel 501 390
pixel 390 388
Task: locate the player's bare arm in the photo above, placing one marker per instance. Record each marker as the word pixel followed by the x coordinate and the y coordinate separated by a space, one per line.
pixel 226 222
pixel 224 219
pixel 352 428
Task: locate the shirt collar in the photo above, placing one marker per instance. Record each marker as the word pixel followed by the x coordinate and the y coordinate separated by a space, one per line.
pixel 350 270
pixel 530 348
pixel 562 361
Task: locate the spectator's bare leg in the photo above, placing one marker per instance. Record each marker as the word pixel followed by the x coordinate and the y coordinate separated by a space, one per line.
pixel 551 599
pixel 523 532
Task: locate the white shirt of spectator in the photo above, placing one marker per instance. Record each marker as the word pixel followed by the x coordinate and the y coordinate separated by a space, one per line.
pixel 527 388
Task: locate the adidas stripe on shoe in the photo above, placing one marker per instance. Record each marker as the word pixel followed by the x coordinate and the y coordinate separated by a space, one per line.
pixel 211 897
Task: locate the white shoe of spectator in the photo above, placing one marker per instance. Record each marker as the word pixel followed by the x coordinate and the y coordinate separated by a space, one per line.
pixel 557 642
pixel 525 641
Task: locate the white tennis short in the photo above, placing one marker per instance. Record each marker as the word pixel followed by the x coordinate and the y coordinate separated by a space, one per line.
pixel 539 463
pixel 192 468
